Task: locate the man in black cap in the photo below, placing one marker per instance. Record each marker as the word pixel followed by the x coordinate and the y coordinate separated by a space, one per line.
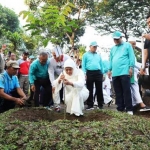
pixel 23 72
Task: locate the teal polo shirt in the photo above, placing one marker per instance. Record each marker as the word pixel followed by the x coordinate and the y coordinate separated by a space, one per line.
pixel 92 61
pixel 121 59
pixel 38 70
pixel 8 83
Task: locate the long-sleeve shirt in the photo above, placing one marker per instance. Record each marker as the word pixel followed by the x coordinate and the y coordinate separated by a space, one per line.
pixel 55 68
pixel 106 66
pixel 38 70
pixel 92 61
pixel 121 59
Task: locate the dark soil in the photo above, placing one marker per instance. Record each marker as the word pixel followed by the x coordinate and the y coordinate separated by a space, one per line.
pixel 146 100
pixel 34 114
pixel 145 114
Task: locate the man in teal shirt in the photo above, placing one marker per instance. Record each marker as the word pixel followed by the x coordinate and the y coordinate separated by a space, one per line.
pixel 122 61
pixel 38 76
pixel 92 66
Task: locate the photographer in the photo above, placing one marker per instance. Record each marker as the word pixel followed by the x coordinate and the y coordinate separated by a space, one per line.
pixel 10 91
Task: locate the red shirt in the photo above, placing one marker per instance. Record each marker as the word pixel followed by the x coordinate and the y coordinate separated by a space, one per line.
pixel 24 66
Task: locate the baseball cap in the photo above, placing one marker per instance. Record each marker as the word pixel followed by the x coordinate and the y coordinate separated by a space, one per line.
pixel 31 57
pixel 94 43
pixel 13 64
pixel 117 35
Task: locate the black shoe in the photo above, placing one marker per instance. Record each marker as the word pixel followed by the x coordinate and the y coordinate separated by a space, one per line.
pixel 146 108
pixel 89 108
pixel 110 103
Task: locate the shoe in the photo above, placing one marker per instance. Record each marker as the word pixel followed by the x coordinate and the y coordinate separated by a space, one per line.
pixel 57 108
pixel 100 107
pixel 130 112
pixel 146 108
pixel 110 103
pixel 89 108
pixel 48 108
pixel 136 107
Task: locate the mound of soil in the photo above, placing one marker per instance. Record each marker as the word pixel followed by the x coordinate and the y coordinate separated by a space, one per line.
pixel 145 114
pixel 33 114
pixel 146 100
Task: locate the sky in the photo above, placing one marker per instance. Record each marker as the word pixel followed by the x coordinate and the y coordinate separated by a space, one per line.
pixel 90 34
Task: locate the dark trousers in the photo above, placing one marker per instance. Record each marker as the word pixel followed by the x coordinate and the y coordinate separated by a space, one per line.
pixel 123 93
pixel 7 104
pixel 46 84
pixel 94 77
pixel 31 97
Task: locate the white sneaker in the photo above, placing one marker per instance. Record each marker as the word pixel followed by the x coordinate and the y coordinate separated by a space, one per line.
pixel 130 112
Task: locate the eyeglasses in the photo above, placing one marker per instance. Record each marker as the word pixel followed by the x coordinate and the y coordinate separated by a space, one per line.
pixel 116 39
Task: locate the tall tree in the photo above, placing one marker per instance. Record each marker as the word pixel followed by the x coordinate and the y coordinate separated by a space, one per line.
pixel 75 20
pixel 8 20
pixel 125 16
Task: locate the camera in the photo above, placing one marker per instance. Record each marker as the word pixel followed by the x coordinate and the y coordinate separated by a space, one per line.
pixel 59 67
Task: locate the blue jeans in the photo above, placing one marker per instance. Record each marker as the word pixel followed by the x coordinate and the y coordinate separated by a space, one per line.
pixel 123 93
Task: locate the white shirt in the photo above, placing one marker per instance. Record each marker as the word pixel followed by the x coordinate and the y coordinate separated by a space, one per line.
pixel 56 67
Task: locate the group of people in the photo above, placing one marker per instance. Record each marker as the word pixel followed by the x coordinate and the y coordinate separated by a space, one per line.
pixel 62 80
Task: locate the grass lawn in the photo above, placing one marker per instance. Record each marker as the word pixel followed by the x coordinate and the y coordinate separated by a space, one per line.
pixel 40 129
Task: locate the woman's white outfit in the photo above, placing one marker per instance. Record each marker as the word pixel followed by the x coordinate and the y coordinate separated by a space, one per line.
pixel 106 90
pixel 74 96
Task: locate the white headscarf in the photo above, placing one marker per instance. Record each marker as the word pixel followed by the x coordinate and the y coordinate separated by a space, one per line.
pixel 70 63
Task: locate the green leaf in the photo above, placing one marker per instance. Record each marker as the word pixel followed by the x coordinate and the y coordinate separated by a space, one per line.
pixel 68 29
pixel 45 42
pixel 24 13
pixel 71 4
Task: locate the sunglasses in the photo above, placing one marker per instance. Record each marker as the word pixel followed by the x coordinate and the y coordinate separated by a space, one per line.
pixel 116 39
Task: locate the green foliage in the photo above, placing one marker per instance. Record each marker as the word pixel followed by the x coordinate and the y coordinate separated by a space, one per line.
pixel 30 42
pixel 138 54
pixel 8 20
pixel 125 16
pixel 63 24
pixel 15 39
pixel 120 132
pixel 48 22
pixel 82 50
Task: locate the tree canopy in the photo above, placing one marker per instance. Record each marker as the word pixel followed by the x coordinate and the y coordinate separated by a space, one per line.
pixel 8 20
pixel 58 21
pixel 125 16
pixel 12 35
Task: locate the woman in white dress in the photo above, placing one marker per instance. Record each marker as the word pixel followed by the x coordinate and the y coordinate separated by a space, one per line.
pixel 75 92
